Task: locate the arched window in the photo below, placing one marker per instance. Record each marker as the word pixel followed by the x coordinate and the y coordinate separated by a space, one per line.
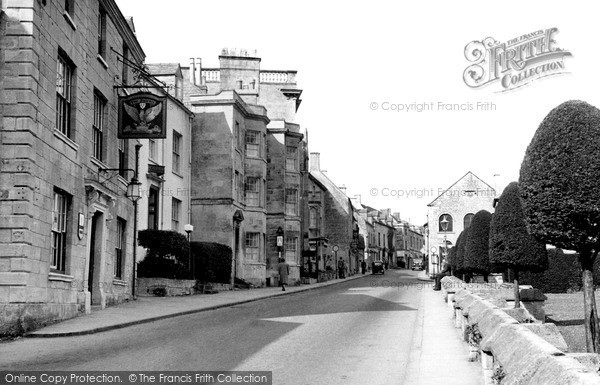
pixel 446 222
pixel 467 220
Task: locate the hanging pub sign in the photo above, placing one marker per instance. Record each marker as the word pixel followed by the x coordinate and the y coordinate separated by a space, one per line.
pixel 142 115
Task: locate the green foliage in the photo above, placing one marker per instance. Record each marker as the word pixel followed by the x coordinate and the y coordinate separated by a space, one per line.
pixel 160 267
pixel 167 254
pixel 212 262
pixel 559 178
pixel 510 245
pixel 562 276
pixel 165 243
pixel 459 261
pixel 452 257
pixel 476 257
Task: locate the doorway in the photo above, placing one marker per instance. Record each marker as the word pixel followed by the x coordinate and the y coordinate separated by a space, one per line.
pixel 95 255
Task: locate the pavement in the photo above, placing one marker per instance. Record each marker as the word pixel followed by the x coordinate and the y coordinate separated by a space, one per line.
pixel 149 309
pixel 439 355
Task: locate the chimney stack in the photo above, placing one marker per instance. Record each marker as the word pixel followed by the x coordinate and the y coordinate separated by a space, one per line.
pixel 198 73
pixel 192 71
pixel 315 161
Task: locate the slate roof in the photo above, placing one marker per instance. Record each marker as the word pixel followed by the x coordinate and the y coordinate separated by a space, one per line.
pixel 337 194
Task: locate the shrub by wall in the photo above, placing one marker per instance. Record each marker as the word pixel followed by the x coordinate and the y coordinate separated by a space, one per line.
pixel 212 262
pixel 167 254
pixel 563 274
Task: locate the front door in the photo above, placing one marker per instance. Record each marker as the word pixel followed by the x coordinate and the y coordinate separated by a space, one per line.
pixel 153 208
pixel 94 233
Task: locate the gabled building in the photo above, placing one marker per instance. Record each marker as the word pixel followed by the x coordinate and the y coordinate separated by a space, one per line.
pixel 451 212
pixel 316 246
pixel 338 223
pixel 66 226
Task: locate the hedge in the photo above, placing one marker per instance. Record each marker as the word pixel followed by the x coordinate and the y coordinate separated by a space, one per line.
pixel 563 274
pixel 212 262
pixel 167 254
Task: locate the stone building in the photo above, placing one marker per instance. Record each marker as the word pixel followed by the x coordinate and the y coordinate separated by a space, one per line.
pixel 454 209
pixel 253 110
pixel 338 222
pixel 229 171
pixel 66 227
pixel 164 169
pixel 316 246
pixel 410 243
pixel 384 234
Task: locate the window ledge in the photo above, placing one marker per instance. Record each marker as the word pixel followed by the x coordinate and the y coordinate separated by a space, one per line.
pixel 177 174
pixel 98 163
pixel 70 20
pixel 119 282
pixel 102 61
pixel 60 277
pixel 123 181
pixel 69 142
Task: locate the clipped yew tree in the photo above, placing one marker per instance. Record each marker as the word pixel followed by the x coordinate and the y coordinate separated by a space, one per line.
pixel 511 246
pixel 560 191
pixel 460 255
pixel 477 245
pixel 453 257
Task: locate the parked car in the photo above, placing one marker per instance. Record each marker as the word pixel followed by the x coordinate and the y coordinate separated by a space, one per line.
pixel 417 266
pixel 377 267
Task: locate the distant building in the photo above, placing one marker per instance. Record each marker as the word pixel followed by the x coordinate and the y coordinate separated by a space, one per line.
pixel 338 220
pixel 316 248
pixel 66 226
pixel 410 242
pixel 455 208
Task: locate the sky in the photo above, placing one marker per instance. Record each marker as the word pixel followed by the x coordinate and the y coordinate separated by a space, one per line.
pixel 357 61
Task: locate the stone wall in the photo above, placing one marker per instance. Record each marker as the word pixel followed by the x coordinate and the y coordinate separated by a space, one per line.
pixel 174 287
pixel 511 345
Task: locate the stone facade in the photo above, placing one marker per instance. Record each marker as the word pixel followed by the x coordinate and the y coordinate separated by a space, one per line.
pixel 457 205
pixel 61 218
pixel 279 167
pixel 315 247
pixel 338 223
pixel 229 179
pixel 410 243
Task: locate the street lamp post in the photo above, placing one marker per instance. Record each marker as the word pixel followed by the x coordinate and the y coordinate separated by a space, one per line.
pixel 444 224
pixel 134 193
pixel 188 229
